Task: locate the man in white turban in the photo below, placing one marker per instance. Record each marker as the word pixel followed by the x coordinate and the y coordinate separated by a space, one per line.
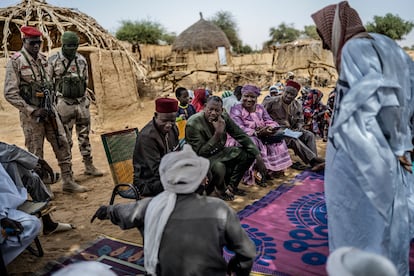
pixel 350 261
pixel 180 220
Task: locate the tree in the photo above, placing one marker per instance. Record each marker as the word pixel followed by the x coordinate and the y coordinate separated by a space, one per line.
pixel 390 25
pixel 310 31
pixel 169 37
pixel 144 31
pixel 226 22
pixel 283 33
pixel 245 49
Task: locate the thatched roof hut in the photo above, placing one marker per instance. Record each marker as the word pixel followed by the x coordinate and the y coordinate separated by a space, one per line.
pixel 112 69
pixel 202 37
pixel 52 21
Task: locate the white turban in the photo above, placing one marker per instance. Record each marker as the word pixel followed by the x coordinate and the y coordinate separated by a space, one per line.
pixel 350 261
pixel 181 172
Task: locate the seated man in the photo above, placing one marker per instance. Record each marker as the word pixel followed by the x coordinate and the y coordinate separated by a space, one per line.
pixel 207 133
pixel 156 139
pixel 180 220
pixel 288 112
pixel 18 229
pixel 24 169
pixel 229 102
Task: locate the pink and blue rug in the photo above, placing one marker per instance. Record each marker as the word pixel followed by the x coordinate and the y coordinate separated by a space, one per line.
pixel 123 258
pixel 289 228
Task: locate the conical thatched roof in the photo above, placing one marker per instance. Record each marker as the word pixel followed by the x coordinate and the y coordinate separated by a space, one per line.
pixel 53 21
pixel 203 36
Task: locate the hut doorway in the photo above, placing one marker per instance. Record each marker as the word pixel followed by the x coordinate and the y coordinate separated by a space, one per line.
pixel 86 54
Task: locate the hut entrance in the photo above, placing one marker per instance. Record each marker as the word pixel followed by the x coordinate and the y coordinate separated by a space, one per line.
pixel 86 54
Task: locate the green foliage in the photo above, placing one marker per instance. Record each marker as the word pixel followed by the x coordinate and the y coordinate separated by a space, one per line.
pixel 282 34
pixel 143 31
pixel 169 38
pixel 408 48
pixel 245 49
pixel 310 31
pixel 226 22
pixel 390 25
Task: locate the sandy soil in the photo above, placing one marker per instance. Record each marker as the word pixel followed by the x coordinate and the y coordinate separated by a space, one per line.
pixel 79 208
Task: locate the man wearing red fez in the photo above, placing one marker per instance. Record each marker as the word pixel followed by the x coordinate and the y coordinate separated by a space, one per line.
pixel 157 138
pixel 28 87
pixel 288 113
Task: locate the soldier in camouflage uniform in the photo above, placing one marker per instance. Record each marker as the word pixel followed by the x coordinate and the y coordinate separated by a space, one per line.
pixel 27 86
pixel 69 72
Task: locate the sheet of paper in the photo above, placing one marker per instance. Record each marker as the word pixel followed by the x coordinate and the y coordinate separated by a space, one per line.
pixel 291 133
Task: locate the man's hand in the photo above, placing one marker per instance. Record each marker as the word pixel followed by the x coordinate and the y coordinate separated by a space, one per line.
pixel 40 113
pixel 101 213
pixel 45 169
pixel 261 131
pixel 234 268
pixel 219 125
pixel 405 163
pixel 11 227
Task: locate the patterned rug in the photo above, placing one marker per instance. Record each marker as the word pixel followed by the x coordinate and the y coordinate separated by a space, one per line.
pixel 289 228
pixel 122 257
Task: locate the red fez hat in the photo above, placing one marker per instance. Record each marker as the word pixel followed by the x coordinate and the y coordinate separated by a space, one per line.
pixel 166 105
pixel 293 84
pixel 29 31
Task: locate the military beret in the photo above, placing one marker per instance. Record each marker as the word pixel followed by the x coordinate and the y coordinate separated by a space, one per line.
pixel 69 37
pixel 28 31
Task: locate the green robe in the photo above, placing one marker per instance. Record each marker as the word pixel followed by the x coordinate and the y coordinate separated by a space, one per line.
pixel 236 160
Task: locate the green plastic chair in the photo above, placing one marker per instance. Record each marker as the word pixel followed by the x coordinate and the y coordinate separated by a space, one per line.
pixel 119 148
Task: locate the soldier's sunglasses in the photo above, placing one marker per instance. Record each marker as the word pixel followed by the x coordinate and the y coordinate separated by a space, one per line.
pixel 35 42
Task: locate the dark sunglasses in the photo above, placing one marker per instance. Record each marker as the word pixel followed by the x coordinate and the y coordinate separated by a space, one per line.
pixel 35 42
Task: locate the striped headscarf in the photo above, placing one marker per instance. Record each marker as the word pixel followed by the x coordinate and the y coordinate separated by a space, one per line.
pixel 336 24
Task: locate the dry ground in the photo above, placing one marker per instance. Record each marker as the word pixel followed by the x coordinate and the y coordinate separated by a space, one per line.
pixel 78 209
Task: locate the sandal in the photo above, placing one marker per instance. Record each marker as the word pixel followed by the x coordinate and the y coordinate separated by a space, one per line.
pixel 61 227
pixel 318 167
pixel 260 179
pixel 227 196
pixel 299 166
pixel 237 191
pixel 278 174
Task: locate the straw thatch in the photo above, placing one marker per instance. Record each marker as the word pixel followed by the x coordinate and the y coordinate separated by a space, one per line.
pixel 53 21
pixel 202 37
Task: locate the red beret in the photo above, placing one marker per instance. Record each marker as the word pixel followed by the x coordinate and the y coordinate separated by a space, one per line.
pixel 29 31
pixel 166 105
pixel 293 84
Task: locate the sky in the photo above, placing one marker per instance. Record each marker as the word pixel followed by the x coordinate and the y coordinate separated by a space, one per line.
pixel 253 18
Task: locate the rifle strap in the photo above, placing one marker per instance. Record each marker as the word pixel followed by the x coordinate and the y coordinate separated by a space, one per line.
pixel 41 69
pixel 68 65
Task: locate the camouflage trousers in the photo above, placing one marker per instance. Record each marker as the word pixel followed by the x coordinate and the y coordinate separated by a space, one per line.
pixel 76 113
pixel 35 133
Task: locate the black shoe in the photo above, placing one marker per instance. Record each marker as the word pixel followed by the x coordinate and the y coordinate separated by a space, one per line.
pixel 227 196
pixel 237 191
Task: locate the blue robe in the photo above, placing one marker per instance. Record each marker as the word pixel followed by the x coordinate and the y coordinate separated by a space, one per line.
pixel 368 193
pixel 12 196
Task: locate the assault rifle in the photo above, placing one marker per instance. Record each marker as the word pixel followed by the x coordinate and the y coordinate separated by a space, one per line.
pixel 46 103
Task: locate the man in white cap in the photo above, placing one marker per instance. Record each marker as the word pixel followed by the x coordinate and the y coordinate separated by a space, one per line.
pixel 180 220
pixel 350 261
